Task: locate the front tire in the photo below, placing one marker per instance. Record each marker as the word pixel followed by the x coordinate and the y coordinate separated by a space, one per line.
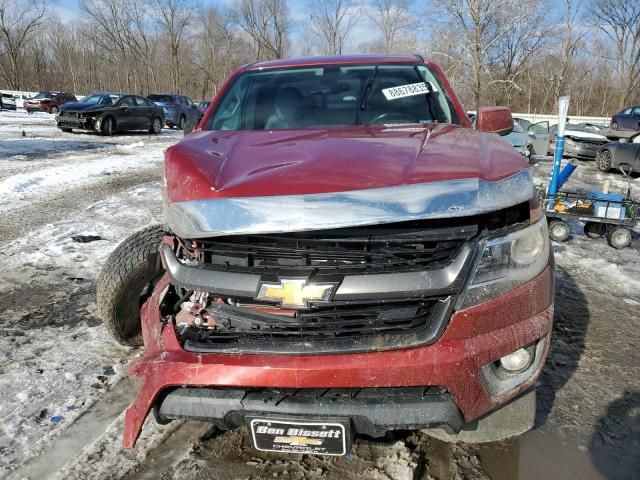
pixel 614 126
pixel 126 281
pixel 182 122
pixel 619 237
pixel 156 126
pixel 604 161
pixel 54 110
pixel 107 127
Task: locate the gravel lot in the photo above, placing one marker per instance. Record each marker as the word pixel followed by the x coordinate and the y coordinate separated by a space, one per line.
pixel 63 392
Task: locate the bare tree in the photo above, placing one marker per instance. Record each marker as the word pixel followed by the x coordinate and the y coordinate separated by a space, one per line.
pixel 479 25
pixel 619 20
pixel 19 21
pixel 268 23
pixel 175 17
pixel 395 21
pixel 332 21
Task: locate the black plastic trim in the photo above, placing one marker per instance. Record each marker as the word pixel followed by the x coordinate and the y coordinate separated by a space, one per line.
pixel 372 411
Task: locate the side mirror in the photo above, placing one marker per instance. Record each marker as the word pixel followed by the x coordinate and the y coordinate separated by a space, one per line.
pixel 494 120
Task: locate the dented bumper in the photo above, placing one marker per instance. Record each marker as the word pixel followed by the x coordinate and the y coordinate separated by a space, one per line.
pixel 473 338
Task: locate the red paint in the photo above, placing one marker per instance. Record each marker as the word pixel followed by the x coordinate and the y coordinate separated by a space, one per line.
pixel 210 164
pixel 473 338
pixel 495 120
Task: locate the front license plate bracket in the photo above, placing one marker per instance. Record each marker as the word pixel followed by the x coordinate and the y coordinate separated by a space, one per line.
pixel 292 435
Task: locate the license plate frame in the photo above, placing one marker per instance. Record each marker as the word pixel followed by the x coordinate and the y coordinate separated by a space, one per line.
pixel 296 435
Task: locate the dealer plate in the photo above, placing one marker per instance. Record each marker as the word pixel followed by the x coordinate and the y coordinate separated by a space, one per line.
pixel 291 436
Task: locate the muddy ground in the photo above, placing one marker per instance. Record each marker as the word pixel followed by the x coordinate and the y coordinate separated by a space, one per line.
pixel 62 388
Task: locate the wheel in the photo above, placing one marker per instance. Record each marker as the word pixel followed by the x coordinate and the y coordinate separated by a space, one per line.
pixel 126 281
pixel 594 229
pixel 156 125
pixel 54 110
pixel 107 127
pixel 182 122
pixel 604 161
pixel 559 230
pixel 65 129
pixel 619 237
pixel 614 125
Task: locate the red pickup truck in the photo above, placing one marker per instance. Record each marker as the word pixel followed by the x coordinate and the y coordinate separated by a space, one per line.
pixel 342 254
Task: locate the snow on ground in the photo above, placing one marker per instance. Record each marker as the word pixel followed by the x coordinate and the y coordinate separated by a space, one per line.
pixel 61 377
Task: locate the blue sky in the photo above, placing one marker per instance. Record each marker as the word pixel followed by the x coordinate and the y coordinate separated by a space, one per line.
pixel 363 32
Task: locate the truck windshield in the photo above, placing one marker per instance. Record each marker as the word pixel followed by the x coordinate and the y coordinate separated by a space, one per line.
pixel 333 96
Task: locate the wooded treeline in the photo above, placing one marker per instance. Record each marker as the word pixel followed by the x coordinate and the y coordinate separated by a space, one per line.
pixel 519 53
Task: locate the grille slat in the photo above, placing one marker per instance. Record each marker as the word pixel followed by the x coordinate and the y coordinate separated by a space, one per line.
pixel 272 253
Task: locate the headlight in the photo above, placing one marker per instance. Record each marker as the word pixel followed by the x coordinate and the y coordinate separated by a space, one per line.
pixel 509 261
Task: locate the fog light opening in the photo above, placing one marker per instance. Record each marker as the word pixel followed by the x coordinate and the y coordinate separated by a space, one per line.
pixel 517 361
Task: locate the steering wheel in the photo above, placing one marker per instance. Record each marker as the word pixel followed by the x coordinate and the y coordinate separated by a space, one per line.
pixel 390 116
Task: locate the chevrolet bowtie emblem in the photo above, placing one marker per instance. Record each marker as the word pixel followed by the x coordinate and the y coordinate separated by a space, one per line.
pixel 298 441
pixel 294 292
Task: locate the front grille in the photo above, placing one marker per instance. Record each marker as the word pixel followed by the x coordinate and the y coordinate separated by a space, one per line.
pixel 333 328
pixel 356 250
pixel 380 321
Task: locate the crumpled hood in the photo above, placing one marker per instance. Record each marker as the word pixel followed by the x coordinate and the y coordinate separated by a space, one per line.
pixel 82 107
pixel 216 164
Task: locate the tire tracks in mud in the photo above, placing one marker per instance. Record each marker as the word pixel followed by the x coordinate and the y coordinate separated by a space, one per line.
pixel 18 222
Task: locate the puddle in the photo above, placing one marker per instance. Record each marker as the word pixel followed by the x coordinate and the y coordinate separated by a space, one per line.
pixel 536 456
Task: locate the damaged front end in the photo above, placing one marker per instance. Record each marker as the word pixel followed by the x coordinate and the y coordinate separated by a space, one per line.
pixel 409 317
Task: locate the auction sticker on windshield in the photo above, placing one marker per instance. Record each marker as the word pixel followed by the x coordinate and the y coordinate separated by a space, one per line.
pixel 402 91
pixel 320 438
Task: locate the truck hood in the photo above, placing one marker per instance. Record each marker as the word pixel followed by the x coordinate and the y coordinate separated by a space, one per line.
pixel 215 164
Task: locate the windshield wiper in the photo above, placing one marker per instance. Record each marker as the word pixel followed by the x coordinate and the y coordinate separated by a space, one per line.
pixel 428 95
pixel 362 101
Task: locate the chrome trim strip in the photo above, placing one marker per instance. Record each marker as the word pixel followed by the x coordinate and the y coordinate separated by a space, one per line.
pixel 353 287
pixel 197 278
pixel 294 213
pixel 402 284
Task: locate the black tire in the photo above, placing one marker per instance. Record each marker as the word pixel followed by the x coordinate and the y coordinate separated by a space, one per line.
pixel 126 281
pixel 66 130
pixel 107 127
pixel 156 125
pixel 54 110
pixel 614 125
pixel 182 122
pixel 594 229
pixel 559 230
pixel 619 237
pixel 603 161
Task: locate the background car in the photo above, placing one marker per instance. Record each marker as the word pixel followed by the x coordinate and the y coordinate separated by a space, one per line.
pixel 615 154
pixel 580 142
pixel 518 138
pixel 627 119
pixel 202 108
pixel 111 112
pixel 48 101
pixel 178 109
pixel 8 102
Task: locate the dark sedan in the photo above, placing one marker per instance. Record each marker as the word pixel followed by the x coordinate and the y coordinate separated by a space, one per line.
pixel 627 119
pixel 108 113
pixel 616 154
